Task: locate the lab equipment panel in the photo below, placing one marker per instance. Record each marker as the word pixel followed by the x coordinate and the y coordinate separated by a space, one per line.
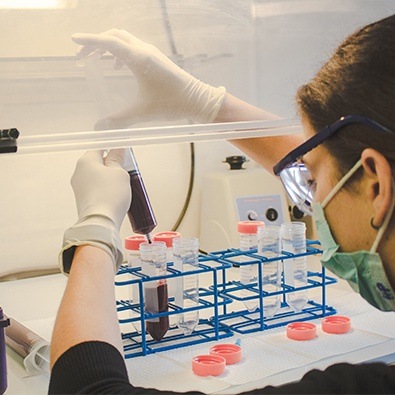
pixel 267 208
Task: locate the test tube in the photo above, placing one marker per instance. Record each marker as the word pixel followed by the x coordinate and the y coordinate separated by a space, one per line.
pixel 186 259
pixel 153 264
pixel 293 236
pixel 248 236
pixel 140 213
pixel 271 274
pixel 30 346
pixel 132 245
pixel 168 237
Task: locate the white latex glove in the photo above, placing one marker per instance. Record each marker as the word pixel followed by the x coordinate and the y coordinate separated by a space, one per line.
pixel 166 91
pixel 102 193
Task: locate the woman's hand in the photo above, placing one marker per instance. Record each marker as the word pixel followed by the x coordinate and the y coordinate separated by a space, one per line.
pixel 103 195
pixel 166 92
pixel 101 187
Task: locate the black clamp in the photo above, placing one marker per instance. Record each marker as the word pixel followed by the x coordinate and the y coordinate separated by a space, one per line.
pixel 4 320
pixel 8 139
pixel 235 162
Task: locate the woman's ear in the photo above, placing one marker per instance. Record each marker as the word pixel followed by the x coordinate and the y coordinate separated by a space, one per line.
pixel 379 180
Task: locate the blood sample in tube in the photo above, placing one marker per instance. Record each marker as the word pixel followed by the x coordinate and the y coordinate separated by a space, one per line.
pixel 140 213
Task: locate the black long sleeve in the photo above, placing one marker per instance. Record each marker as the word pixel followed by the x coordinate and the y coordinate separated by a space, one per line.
pixel 98 367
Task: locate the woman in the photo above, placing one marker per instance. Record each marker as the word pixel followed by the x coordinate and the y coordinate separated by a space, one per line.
pixel 347 160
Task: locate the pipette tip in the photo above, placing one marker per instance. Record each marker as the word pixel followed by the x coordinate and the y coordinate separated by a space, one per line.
pixel 148 237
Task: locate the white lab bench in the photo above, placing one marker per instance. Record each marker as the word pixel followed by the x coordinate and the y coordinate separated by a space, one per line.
pixel 39 298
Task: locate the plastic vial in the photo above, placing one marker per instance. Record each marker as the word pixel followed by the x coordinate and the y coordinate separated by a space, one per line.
pixel 132 245
pixel 186 259
pixel 153 264
pixel 31 347
pixel 293 236
pixel 168 237
pixel 269 246
pixel 248 236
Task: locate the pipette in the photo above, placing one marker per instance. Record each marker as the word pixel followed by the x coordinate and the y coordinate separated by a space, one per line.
pixel 140 213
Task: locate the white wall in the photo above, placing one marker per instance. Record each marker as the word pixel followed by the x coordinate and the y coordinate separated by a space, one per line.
pixel 295 37
pixel 263 51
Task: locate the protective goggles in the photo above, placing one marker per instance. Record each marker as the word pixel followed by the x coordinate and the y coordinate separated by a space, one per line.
pixel 294 174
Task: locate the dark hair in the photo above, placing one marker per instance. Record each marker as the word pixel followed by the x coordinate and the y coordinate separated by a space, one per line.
pixel 358 79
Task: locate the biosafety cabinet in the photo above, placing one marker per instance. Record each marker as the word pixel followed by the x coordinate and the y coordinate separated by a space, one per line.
pixel 260 50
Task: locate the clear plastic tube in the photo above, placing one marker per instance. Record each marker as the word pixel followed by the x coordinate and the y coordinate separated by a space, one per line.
pixel 31 347
pixel 293 237
pixel 132 245
pixel 168 238
pixel 248 236
pixel 153 264
pixel 269 247
pixel 186 259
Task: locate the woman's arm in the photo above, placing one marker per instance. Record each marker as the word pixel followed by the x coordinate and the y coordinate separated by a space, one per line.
pixel 266 151
pixel 92 253
pixel 168 92
pixel 87 311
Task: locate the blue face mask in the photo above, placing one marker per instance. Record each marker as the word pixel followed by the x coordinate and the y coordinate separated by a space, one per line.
pixel 363 270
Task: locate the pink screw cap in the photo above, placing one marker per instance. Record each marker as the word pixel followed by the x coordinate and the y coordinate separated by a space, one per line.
pixel 301 330
pixel 133 242
pixel 249 227
pixel 231 352
pixel 336 324
pixel 167 237
pixel 208 365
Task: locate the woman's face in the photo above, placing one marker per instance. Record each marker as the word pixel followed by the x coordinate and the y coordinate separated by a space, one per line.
pixel 348 212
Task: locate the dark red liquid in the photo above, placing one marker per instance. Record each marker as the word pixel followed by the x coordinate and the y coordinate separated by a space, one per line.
pixel 158 328
pixel 140 213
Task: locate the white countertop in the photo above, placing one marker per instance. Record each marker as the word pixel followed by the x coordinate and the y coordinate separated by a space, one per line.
pixel 38 298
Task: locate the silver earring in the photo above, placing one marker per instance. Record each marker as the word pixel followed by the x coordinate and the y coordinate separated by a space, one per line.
pixel 375 227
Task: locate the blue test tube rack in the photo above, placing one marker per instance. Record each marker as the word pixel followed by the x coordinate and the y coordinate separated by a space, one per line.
pixel 218 302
